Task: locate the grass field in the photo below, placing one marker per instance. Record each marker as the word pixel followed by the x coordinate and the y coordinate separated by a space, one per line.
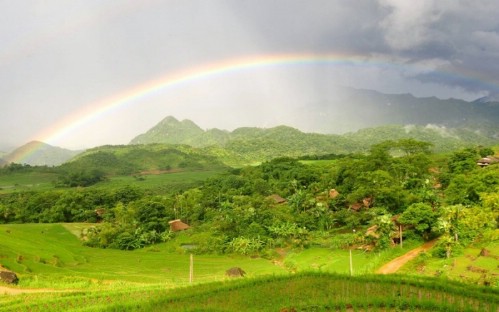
pixel 22 181
pixel 50 257
pixel 160 181
pixel 295 292
pixel 41 181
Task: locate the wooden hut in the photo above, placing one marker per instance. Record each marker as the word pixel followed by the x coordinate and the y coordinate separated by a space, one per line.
pixel 277 199
pixel 487 161
pixel 177 225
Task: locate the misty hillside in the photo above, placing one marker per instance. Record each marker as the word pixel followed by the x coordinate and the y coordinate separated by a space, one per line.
pixel 37 153
pixel 346 109
pixel 342 110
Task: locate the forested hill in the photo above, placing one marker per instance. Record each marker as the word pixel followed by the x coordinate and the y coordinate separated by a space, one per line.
pixel 38 154
pixel 258 144
pixel 137 159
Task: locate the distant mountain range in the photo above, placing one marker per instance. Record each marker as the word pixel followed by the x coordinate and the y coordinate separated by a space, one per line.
pixel 257 144
pixel 346 109
pixel 37 153
pixel 365 117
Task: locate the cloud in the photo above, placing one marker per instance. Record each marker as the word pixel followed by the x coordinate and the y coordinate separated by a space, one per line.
pixel 60 56
pixel 461 37
pixel 408 23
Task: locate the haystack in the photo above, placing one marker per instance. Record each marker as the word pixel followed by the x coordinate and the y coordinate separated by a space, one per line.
pixel 177 225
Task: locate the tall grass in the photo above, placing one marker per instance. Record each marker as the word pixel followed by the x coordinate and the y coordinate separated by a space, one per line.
pixel 311 291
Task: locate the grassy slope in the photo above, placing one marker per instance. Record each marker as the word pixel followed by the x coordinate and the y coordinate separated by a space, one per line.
pixel 469 266
pixel 48 255
pixel 51 256
pixel 43 181
pixel 160 182
pixel 24 181
pixel 300 292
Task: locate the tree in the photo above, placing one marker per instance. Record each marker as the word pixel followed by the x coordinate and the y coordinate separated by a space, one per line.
pixel 384 228
pixel 463 161
pixel 413 147
pixel 421 216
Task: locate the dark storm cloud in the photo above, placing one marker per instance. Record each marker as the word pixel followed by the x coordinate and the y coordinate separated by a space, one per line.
pixel 459 37
pixel 462 34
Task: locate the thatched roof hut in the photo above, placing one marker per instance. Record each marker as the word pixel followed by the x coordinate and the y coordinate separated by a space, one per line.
pixel 277 199
pixel 177 225
pixel 486 161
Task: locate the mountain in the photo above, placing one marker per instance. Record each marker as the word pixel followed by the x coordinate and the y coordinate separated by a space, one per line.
pixel 170 131
pixel 346 109
pixel 250 144
pixel 37 153
pixel 363 116
pixel 341 110
pixel 488 99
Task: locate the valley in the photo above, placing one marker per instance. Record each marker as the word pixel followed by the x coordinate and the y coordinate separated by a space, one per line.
pixel 277 203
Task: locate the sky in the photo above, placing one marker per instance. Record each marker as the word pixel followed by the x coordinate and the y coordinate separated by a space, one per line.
pixel 83 73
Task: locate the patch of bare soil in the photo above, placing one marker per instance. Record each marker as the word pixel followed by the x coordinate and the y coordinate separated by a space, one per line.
pixel 394 265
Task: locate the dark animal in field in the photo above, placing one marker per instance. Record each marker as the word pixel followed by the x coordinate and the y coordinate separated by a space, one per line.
pixel 235 272
pixel 8 277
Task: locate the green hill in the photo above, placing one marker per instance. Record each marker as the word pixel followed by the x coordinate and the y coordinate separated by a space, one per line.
pixel 136 159
pixel 37 153
pixel 250 144
pixel 170 131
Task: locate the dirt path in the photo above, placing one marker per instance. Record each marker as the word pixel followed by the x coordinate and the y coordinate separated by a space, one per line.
pixel 6 290
pixel 16 291
pixel 394 265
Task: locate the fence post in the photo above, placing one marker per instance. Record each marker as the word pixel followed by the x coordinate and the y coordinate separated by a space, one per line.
pixel 191 269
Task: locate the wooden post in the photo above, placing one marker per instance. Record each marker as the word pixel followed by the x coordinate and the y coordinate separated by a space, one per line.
pixel 191 270
pixel 400 234
pixel 351 266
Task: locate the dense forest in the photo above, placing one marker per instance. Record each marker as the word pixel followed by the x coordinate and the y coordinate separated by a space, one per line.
pixel 361 199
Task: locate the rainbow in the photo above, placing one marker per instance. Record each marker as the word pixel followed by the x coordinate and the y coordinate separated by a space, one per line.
pixel 170 81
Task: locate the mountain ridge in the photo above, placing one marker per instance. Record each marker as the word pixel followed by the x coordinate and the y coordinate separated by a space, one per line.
pixel 253 144
pixel 38 153
pixel 349 110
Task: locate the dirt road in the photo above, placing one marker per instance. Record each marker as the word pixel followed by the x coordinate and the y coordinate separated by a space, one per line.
pixel 394 265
